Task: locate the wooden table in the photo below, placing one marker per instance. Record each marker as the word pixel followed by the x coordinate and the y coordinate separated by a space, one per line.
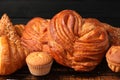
pixel 58 72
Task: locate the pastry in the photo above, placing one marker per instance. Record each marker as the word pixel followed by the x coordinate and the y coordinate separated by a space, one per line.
pixel 73 41
pixel 113 54
pixel 19 29
pixel 114 34
pixel 113 58
pixel 35 36
pixel 39 63
pixel 12 54
pixel 76 42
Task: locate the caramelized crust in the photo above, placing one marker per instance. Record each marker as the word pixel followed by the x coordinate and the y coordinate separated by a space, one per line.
pixel 114 34
pixel 35 36
pixel 75 42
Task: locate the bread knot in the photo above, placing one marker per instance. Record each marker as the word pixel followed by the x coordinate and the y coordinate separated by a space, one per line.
pixel 77 42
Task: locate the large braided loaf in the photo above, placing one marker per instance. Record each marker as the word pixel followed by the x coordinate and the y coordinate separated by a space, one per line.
pixel 75 42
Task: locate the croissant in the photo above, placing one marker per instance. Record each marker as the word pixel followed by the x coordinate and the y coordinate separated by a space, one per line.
pixel 76 42
pixel 12 55
pixel 34 36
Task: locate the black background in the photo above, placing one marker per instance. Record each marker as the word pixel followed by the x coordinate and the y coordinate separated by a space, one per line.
pixel 21 11
pixel 105 10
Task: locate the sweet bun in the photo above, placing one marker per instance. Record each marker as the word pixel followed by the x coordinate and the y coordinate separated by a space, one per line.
pixel 113 58
pixel 76 42
pixel 34 36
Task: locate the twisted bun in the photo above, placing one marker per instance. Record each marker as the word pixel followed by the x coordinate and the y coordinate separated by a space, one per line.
pixel 75 42
pixel 34 35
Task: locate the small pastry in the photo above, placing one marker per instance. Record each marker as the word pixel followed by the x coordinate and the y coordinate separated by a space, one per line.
pixel 113 58
pixel 39 63
pixel 35 36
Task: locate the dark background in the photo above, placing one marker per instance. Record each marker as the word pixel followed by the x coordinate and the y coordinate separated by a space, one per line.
pixel 105 10
pixel 21 11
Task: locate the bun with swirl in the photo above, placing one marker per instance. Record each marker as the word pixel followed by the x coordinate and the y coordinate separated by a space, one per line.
pixel 76 42
pixel 34 36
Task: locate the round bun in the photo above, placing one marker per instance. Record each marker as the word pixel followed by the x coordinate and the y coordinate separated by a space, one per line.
pixel 113 58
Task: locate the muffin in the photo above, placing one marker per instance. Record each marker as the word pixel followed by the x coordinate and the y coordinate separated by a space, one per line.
pixel 113 58
pixel 39 63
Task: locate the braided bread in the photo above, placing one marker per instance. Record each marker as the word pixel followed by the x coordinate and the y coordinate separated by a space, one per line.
pixel 76 42
pixel 34 36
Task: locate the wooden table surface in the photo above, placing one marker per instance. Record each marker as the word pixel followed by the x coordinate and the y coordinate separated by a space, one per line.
pixel 58 72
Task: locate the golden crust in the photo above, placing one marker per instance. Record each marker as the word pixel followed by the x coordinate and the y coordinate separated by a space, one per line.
pixel 114 34
pixel 75 42
pixel 113 58
pixel 35 35
pixel 12 55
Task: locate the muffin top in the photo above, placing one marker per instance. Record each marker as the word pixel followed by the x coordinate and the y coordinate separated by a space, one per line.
pixel 113 54
pixel 38 58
